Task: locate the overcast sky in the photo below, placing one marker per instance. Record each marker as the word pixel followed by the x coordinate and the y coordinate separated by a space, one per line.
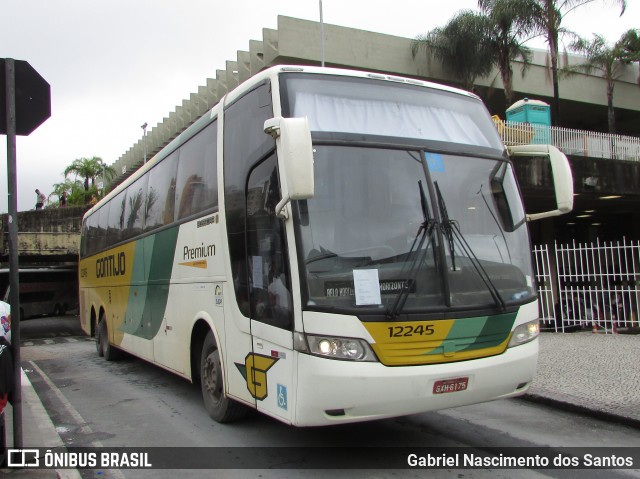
pixel 116 64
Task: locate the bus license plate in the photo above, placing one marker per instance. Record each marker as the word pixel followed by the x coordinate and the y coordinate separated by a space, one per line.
pixel 450 385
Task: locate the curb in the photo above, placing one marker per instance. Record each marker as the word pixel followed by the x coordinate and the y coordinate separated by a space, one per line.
pixel 36 428
pixel 582 409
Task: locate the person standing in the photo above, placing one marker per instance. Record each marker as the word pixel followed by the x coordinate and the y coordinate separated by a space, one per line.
pixel 40 199
pixel 63 199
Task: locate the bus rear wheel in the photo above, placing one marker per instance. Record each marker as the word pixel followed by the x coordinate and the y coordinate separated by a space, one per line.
pixel 105 349
pixel 217 404
pixel 97 330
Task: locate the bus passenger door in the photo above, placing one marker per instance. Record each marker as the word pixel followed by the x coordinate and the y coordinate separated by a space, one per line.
pixel 270 367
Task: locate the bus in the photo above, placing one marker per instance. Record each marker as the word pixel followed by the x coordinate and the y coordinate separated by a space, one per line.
pixel 50 291
pixel 324 246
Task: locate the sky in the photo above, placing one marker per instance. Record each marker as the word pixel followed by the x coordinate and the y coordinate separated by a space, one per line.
pixel 116 64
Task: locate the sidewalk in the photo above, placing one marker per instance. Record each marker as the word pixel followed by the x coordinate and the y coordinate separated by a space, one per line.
pixel 595 374
pixel 37 431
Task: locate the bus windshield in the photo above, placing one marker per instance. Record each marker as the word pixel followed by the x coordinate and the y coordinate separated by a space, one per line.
pixel 365 221
pixel 415 229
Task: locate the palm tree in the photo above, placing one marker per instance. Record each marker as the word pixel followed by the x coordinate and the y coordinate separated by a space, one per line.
pixel 548 16
pixel 510 24
pixel 631 45
pixel 460 46
pixel 609 60
pixel 89 169
pixel 471 43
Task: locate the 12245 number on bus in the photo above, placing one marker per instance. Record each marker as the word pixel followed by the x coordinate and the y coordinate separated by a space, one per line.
pixel 408 330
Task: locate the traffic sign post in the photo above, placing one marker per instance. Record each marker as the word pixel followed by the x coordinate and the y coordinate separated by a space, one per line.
pixel 25 103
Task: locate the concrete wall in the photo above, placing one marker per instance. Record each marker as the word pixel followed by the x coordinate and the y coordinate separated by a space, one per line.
pixel 49 235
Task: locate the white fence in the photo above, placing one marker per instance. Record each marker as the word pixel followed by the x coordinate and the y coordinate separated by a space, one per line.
pixel 594 286
pixel 571 142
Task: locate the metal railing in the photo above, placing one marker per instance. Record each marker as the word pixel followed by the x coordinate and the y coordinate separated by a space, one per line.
pixel 590 144
pixel 594 286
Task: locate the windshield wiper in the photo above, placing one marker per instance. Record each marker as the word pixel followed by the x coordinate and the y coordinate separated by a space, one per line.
pixel 427 227
pixel 446 225
pixel 320 255
pixel 452 231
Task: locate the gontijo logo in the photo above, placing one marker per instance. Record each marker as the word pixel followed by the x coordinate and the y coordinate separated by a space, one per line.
pixel 111 265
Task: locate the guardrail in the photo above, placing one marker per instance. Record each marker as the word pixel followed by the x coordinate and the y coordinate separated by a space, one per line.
pixel 585 143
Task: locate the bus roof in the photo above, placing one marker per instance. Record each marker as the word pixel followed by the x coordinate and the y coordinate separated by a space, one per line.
pixel 268 73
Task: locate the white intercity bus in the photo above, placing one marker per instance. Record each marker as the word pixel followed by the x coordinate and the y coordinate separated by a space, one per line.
pixel 325 246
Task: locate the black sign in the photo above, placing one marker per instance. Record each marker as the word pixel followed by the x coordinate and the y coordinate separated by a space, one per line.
pixel 33 98
pixel 346 288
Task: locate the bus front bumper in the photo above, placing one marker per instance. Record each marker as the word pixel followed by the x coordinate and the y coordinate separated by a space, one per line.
pixel 334 392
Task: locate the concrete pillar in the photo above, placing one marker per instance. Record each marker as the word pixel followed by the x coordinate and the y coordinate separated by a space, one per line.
pixel 244 66
pixel 256 56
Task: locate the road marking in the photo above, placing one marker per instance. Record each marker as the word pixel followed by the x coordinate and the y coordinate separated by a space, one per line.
pixel 73 412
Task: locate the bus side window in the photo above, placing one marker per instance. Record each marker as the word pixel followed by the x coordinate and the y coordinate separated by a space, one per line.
pixel 115 224
pixel 100 239
pixel 245 144
pixel 270 292
pixel 135 207
pixel 160 200
pixel 197 178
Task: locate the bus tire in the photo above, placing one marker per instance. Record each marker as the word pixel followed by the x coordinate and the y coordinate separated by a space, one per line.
pixel 109 352
pixel 218 405
pixel 98 342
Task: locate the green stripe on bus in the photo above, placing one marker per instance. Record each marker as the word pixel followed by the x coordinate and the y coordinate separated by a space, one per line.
pixel 471 334
pixel 153 264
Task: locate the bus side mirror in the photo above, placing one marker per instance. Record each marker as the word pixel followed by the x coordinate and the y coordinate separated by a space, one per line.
pixel 295 156
pixel 562 177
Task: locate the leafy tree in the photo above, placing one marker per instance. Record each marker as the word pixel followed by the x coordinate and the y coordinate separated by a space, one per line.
pixel 76 194
pixel 471 43
pixel 548 16
pixel 631 44
pixel 510 23
pixel 89 169
pixel 609 61
pixel 460 46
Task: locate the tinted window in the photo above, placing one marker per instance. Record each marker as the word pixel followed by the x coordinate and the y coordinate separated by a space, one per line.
pixel 134 211
pixel 161 193
pixel 115 223
pixel 197 179
pixel 245 143
pixel 90 232
pixel 271 300
pixel 100 232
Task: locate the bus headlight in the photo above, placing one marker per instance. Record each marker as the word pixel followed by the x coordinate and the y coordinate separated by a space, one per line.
pixel 524 333
pixel 334 347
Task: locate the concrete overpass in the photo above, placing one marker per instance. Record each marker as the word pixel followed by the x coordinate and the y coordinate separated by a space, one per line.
pixel 46 238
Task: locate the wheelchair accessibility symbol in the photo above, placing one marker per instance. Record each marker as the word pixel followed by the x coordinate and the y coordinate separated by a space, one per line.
pixel 282 397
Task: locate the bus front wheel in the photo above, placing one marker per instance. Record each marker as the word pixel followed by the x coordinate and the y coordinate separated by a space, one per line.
pixel 217 404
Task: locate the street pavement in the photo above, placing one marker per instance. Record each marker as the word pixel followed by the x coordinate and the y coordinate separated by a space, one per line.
pixel 595 374
pixel 598 374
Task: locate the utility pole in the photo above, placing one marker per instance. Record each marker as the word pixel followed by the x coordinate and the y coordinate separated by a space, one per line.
pixel 321 36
